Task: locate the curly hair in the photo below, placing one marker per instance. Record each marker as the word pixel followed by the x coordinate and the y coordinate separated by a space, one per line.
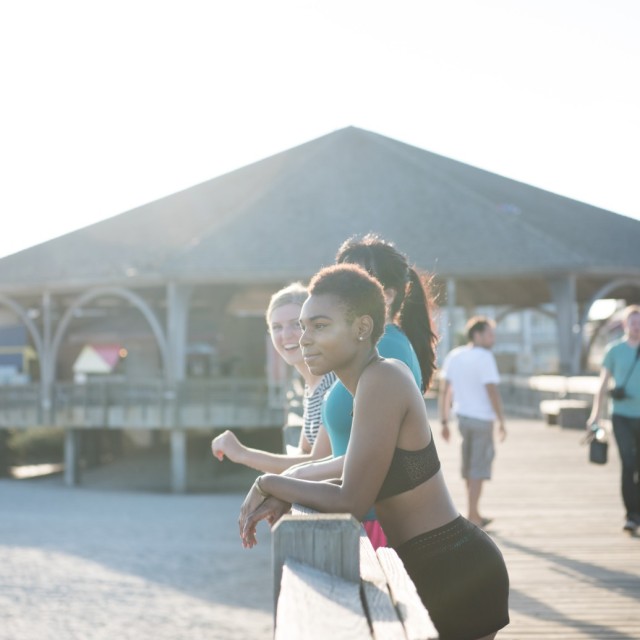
pixel 357 291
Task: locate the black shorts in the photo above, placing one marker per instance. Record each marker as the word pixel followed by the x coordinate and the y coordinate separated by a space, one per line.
pixel 462 579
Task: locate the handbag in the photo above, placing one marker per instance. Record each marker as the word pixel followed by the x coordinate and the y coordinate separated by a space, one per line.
pixel 598 445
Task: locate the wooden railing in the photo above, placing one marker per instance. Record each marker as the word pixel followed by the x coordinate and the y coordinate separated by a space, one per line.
pixel 20 405
pixel 218 402
pixel 330 583
pixel 214 403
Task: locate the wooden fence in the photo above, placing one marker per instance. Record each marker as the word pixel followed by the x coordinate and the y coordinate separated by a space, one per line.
pixel 214 403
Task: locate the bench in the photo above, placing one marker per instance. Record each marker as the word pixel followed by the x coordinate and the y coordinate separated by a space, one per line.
pixel 571 414
pixel 330 583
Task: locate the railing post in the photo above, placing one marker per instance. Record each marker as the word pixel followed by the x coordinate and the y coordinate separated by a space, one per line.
pixel 71 457
pixel 326 541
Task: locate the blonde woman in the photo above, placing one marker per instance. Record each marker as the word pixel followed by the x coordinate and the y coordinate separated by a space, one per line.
pixel 284 328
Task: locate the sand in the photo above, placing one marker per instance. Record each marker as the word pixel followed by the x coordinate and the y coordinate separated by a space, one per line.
pixel 97 563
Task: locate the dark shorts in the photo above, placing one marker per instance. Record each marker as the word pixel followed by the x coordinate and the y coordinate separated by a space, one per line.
pixel 462 579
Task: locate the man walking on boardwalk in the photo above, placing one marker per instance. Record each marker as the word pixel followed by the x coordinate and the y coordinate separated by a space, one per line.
pixel 470 378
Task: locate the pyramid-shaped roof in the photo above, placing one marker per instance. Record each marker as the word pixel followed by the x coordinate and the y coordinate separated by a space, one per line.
pixel 283 217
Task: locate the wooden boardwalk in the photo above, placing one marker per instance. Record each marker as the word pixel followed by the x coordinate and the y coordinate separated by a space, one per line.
pixel 558 520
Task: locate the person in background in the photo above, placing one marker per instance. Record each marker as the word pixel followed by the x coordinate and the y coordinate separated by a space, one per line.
pixel 391 461
pixel 470 377
pixel 621 364
pixel 282 320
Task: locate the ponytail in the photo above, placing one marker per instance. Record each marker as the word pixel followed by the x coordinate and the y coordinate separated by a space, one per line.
pixel 410 306
pixel 414 318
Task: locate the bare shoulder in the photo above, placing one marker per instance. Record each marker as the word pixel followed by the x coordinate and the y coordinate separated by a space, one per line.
pixel 387 371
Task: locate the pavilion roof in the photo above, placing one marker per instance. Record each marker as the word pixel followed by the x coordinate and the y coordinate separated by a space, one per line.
pixel 283 217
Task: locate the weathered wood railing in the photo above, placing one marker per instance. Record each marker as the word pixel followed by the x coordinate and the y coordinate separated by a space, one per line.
pixel 217 403
pixel 330 583
pixel 150 404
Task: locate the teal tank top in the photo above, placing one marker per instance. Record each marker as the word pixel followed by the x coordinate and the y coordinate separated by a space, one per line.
pixel 337 405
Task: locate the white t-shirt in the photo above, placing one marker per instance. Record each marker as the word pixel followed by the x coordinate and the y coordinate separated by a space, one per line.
pixel 468 369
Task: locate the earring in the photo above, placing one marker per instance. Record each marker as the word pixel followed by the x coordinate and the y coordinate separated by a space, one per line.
pixel 360 338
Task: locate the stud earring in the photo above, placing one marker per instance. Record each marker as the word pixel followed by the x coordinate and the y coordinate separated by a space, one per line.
pixel 360 338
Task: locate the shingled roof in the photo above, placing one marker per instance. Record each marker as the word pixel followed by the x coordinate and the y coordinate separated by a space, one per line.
pixel 283 217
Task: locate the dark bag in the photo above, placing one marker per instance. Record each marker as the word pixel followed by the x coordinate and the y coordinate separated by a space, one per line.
pixel 598 450
pixel 598 445
pixel 620 393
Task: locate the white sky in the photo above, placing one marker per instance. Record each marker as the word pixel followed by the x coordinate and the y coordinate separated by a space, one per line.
pixel 108 105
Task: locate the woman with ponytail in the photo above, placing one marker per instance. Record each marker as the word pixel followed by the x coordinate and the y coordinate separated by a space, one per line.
pixel 408 336
pixel 407 296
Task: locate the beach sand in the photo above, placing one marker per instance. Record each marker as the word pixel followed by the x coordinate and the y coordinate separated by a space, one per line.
pixel 99 562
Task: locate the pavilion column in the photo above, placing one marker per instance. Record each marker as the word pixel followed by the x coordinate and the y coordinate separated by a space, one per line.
pixel 526 358
pixel 72 437
pixel 47 367
pixel 451 305
pixel 563 293
pixel 178 297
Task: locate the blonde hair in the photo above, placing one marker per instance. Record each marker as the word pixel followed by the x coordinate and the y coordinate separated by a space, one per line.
pixel 295 293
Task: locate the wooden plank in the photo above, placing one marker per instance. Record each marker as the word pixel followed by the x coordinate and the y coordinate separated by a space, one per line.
pixel 416 619
pixel 383 616
pixel 314 604
pixel 71 457
pixel 325 541
pixel 178 460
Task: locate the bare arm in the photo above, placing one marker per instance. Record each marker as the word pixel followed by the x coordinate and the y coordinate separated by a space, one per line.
pixel 599 399
pixel 374 434
pixel 227 444
pixel 445 397
pixel 322 469
pixel 496 402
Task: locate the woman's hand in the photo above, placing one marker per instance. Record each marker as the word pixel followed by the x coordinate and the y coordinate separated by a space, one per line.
pixel 227 444
pixel 253 500
pixel 271 510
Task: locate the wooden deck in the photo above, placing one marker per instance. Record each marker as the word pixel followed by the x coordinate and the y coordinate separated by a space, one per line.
pixel 558 520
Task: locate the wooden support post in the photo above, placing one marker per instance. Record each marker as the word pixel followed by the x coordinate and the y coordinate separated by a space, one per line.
pixel 178 461
pixel 326 541
pixel 563 292
pixel 177 329
pixel 47 369
pixel 71 457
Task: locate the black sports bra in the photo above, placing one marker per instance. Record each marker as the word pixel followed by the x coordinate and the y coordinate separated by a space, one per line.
pixel 408 469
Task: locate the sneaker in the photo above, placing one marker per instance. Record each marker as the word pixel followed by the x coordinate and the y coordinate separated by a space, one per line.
pixel 630 525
